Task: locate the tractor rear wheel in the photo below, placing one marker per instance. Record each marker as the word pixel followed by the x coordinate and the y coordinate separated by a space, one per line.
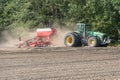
pixel 93 42
pixel 70 40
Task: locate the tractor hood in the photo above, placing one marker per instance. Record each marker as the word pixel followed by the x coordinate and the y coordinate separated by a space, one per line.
pixel 91 33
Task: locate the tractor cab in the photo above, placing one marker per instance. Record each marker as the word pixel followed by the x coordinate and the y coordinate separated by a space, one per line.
pixel 84 29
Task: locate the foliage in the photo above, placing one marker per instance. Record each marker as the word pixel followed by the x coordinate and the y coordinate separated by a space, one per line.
pixel 104 15
pixel 116 44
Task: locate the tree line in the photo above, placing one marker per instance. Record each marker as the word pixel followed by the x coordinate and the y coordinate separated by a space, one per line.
pixel 104 15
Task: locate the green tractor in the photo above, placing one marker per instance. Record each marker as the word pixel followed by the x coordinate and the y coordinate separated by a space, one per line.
pixel 85 36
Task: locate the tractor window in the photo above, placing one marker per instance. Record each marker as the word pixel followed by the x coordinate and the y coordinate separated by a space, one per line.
pixel 80 27
pixel 88 27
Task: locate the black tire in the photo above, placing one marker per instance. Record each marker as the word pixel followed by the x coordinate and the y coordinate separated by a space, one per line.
pixel 104 45
pixel 70 40
pixel 93 42
pixel 79 42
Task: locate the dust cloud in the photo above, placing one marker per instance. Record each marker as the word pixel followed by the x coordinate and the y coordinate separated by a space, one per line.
pixel 58 39
pixel 11 39
pixel 8 40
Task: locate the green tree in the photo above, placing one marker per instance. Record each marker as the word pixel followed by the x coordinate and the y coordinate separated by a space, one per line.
pixel 104 15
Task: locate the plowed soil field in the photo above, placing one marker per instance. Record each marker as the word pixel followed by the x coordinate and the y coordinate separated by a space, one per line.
pixel 60 63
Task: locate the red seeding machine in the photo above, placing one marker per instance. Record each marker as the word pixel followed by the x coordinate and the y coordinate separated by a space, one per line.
pixel 42 38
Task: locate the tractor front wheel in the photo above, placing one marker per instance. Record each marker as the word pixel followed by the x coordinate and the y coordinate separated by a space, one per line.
pixel 93 42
